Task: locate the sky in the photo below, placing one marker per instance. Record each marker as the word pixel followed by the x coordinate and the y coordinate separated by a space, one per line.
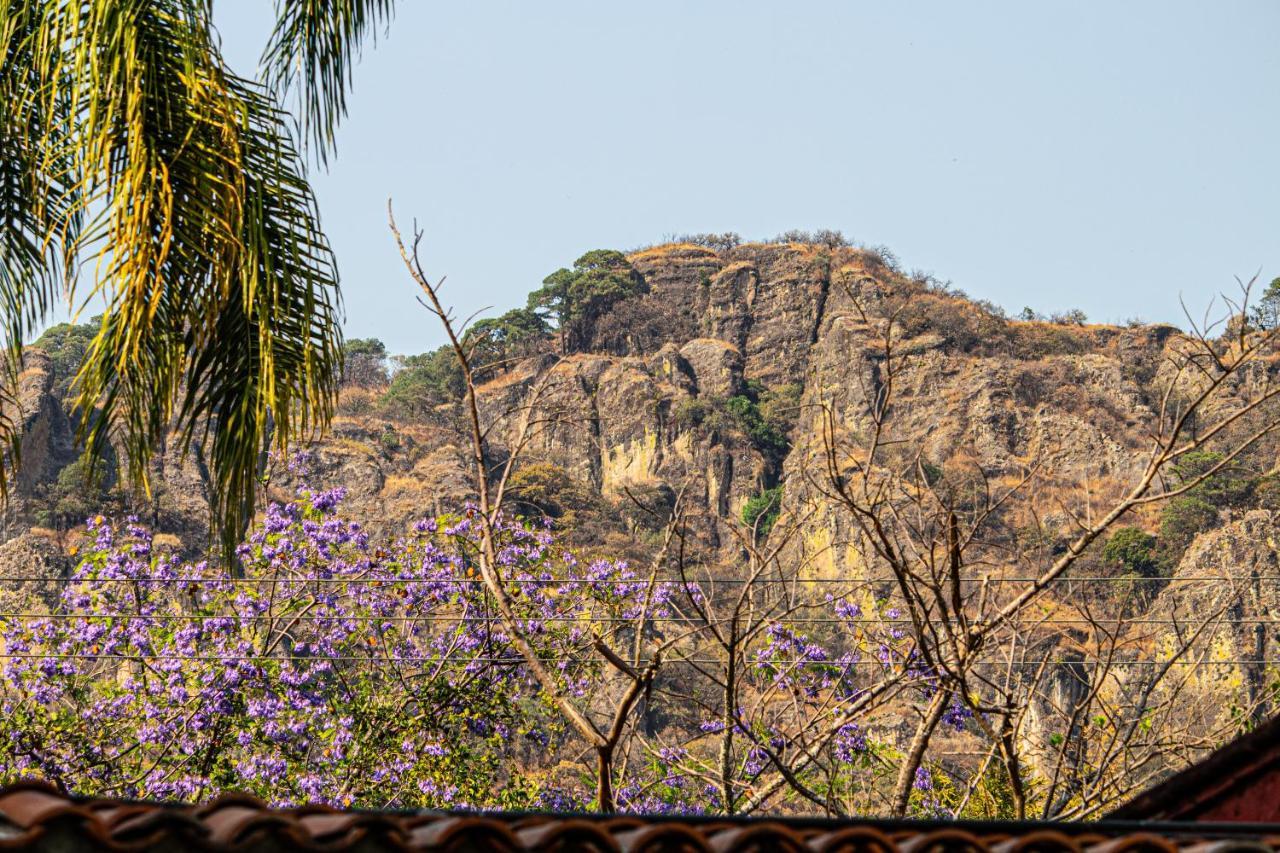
pixel 1112 157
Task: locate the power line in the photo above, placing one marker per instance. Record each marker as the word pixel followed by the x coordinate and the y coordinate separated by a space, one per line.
pixel 586 617
pixel 616 582
pixel 514 659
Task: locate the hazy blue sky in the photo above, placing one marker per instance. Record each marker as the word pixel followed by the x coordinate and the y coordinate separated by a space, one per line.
pixel 1107 156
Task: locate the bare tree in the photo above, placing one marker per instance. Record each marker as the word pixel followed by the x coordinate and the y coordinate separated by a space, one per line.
pixel 968 600
pixel 635 667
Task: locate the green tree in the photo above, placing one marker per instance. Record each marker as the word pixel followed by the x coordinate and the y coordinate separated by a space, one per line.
pixel 130 150
pixel 1134 549
pixel 66 345
pixel 80 491
pixel 1231 485
pixel 364 362
pixel 499 339
pixel 1222 485
pixel 570 301
pixel 1180 521
pixel 1266 312
pixel 766 417
pixel 424 382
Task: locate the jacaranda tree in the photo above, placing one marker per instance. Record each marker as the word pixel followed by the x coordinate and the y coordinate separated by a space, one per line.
pixel 138 168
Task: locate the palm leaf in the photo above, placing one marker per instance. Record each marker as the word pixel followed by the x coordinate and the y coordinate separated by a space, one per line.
pixel 39 215
pixel 221 288
pixel 311 56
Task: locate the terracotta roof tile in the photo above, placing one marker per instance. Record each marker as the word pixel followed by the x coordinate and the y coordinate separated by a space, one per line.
pixel 36 817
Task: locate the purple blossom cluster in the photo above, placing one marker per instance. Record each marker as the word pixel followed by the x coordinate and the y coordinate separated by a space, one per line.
pixel 326 669
pixel 331 667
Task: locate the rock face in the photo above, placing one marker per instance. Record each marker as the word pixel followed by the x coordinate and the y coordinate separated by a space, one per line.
pixel 1231 577
pixel 649 405
pixel 47 439
pixel 31 566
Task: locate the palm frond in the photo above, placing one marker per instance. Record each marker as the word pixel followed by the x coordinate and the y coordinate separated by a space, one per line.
pixel 269 367
pixel 39 213
pixel 311 55
pixel 221 286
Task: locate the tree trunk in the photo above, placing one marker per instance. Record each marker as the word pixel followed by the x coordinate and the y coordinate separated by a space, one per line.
pixel 604 779
pixel 915 752
pixel 1013 768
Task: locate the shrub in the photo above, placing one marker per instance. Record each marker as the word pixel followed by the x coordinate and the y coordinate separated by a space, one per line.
pixel 761 511
pixel 389 440
pixel 1039 339
pixel 822 237
pixel 1266 492
pixel 780 407
pixel 79 491
pixel 763 434
pixel 932 473
pixel 1134 549
pixel 1180 521
pixel 962 325
pixel 722 243
pixel 1073 317
pixel 765 417
pixel 1231 486
pixel 690 413
pixel 542 489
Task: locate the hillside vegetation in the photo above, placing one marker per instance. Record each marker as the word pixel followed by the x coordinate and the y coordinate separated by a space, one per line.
pixel 837 476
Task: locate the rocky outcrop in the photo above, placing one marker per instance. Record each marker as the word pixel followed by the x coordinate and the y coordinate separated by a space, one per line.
pixel 645 409
pixel 47 440
pixel 31 567
pixel 1229 580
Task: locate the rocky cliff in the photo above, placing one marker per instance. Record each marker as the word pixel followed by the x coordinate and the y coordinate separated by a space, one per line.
pixel 713 381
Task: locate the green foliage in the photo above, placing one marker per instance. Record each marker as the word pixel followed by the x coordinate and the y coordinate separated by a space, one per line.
pixel 1230 486
pixel 572 300
pixel 309 60
pixel 134 153
pixel 1180 520
pixel 66 345
pixel 1266 312
pixel 424 382
pixel 496 340
pixel 780 407
pixel 1134 549
pixel 691 413
pixel 1195 511
pixel 761 511
pixel 544 489
pixel 364 362
pixel 364 347
pixel 993 796
pixel 79 492
pixel 389 440
pixel 764 416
